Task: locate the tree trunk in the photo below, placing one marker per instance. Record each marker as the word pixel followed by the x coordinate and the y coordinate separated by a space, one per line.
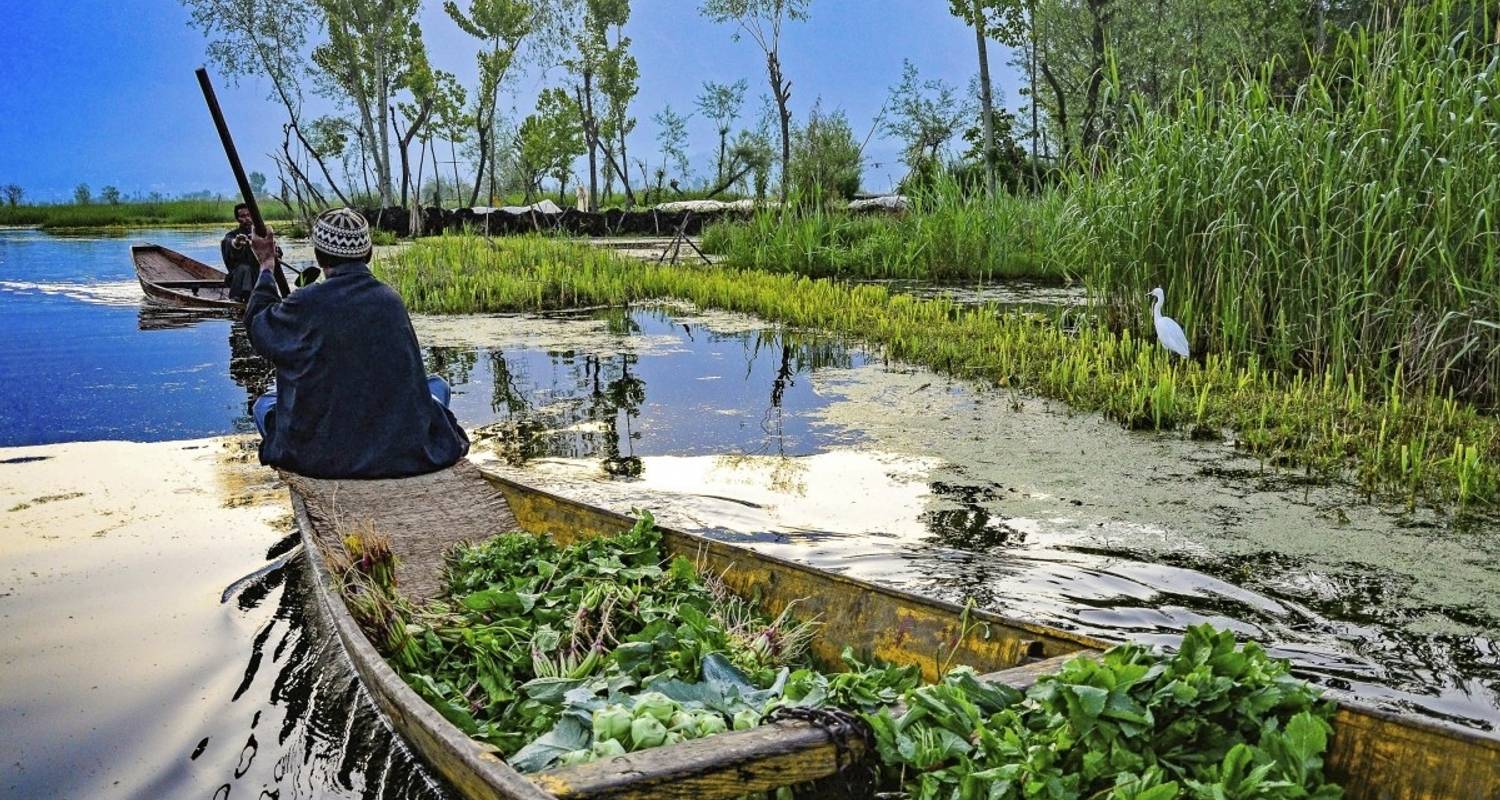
pixel 1090 131
pixel 1036 131
pixel 1065 139
pixel 723 146
pixel 725 183
pixel 591 132
pixel 484 151
pixel 783 93
pixel 986 104
pixel 458 186
pixel 623 168
pixel 383 140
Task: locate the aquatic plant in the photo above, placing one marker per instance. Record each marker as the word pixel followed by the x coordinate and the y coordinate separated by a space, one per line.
pixel 1211 721
pixel 1339 425
pixel 1347 230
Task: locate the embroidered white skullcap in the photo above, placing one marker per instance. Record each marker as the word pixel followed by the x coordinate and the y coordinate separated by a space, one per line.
pixel 341 232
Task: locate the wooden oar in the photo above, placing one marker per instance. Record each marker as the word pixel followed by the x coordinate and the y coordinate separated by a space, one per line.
pixel 257 221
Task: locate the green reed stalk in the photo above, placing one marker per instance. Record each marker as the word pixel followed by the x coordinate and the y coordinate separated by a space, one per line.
pixel 1347 230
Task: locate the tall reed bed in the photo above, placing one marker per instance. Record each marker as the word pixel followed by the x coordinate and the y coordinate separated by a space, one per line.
pixel 1350 230
pixel 944 236
pixel 104 215
pixel 1410 445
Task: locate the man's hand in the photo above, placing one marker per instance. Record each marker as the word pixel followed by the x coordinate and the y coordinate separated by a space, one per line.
pixel 265 249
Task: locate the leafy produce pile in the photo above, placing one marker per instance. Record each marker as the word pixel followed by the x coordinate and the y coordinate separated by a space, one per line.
pixel 560 656
pixel 1212 721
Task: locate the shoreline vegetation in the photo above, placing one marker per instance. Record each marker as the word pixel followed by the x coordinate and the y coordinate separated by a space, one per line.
pixel 133 214
pixel 944 236
pixel 1412 446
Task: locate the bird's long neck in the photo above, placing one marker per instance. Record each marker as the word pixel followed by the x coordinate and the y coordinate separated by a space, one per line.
pixel 1156 308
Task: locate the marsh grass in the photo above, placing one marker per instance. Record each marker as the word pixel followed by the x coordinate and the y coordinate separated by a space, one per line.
pixel 946 235
pixel 1349 230
pixel 104 215
pixel 1411 446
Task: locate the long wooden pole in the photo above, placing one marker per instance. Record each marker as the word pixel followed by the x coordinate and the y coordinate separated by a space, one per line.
pixel 256 220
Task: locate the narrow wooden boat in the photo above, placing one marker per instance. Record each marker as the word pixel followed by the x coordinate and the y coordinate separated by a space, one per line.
pixel 173 279
pixel 1375 754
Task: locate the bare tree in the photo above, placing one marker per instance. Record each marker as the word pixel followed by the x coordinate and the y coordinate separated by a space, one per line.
pixel 761 20
pixel 263 37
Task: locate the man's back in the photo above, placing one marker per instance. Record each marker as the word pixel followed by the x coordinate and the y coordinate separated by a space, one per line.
pixel 352 397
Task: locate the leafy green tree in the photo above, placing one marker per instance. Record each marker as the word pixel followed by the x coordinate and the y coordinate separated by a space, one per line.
pixel 826 158
pixel 110 195
pixel 761 20
pixel 671 141
pixel 265 37
pixel 721 103
pixel 370 47
pixel 13 194
pixel 82 195
pixel 619 82
pixel 605 80
pixel 548 142
pixel 502 25
pixel 925 116
pixel 1095 56
pixel 258 183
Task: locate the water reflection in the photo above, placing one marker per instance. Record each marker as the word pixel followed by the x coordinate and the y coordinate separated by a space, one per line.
pixel 613 405
pixel 249 370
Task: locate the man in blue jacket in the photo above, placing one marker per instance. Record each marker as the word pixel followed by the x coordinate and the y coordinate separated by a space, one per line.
pixel 352 399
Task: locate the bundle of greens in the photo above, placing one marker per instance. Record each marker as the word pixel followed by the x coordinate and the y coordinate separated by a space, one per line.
pixel 534 642
pixel 1212 721
pixel 559 656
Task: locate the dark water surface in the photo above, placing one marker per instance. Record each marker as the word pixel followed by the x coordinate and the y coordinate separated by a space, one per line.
pixel 793 443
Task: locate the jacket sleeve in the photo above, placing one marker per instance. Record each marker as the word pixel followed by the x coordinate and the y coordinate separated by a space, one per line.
pixel 277 326
pixel 228 265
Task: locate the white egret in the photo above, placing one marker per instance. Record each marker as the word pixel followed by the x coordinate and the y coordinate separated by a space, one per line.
pixel 1167 329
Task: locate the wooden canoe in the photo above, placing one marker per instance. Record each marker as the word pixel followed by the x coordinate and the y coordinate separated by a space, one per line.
pixel 1376 754
pixel 171 278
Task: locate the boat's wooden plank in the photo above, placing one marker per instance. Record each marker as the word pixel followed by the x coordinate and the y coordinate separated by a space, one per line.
pixel 733 764
pixel 422 517
pixel 472 769
pixel 726 765
pixel 1377 755
pixel 878 622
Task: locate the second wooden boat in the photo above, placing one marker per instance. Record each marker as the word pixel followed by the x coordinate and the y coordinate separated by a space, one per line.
pixel 171 278
pixel 1375 754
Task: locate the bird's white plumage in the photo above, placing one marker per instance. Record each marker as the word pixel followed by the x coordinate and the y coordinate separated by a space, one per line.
pixel 1167 330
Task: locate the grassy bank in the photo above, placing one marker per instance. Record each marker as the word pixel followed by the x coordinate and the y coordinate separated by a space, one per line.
pixel 1411 446
pixel 1349 230
pixel 944 237
pixel 119 215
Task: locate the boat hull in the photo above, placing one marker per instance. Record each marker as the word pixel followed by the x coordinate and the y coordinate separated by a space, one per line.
pixel 170 278
pixel 1374 754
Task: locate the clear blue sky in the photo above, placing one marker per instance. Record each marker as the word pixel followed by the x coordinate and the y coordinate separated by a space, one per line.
pixel 102 91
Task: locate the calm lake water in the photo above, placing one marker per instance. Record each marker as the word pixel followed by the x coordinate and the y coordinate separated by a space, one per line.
pixel 799 444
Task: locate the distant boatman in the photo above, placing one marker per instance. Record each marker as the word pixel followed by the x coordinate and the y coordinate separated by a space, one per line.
pixel 239 262
pixel 352 397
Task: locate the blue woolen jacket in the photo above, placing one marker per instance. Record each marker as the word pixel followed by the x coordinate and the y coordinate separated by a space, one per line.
pixel 352 397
